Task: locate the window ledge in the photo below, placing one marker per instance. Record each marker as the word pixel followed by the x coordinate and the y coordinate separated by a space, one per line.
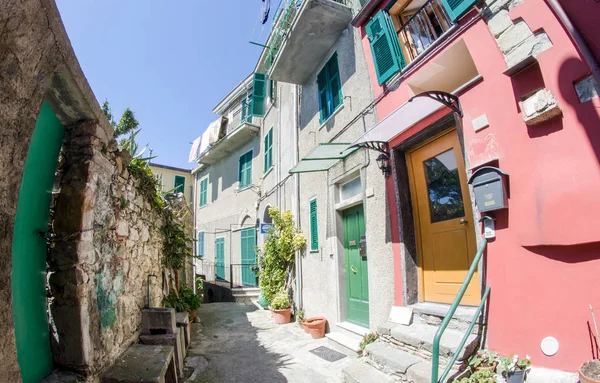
pixel 267 172
pixel 241 189
pixel 335 112
pixel 202 207
pixel 314 251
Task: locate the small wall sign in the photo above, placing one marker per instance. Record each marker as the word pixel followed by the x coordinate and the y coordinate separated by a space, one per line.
pixel 264 228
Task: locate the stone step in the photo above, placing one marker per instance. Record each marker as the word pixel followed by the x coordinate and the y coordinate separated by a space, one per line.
pixel 419 336
pixel 433 314
pixel 362 372
pixel 403 364
pixel 343 342
pixel 351 329
pixel 246 292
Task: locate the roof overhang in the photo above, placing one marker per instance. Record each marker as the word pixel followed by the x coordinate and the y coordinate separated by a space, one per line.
pixel 408 114
pixel 232 96
pixel 323 157
pixel 363 15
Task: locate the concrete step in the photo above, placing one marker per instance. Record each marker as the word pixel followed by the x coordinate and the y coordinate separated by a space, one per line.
pixel 348 344
pixel 433 314
pixel 362 372
pixel 351 329
pixel 245 291
pixel 419 336
pixel 402 364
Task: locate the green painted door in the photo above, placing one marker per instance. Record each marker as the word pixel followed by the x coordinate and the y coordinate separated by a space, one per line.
pixel 29 249
pixel 248 256
pixel 220 257
pixel 357 276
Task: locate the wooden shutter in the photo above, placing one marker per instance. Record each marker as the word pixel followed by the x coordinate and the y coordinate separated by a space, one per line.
pixel 314 230
pixel 268 145
pixel 322 89
pixel 203 191
pixel 201 244
pixel 259 91
pixel 334 83
pixel 245 169
pixel 179 185
pixel 457 8
pixel 385 47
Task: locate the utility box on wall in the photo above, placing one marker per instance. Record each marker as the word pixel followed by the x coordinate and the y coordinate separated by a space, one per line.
pixel 490 186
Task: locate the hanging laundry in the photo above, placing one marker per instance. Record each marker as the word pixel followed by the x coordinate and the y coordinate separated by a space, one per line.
pixel 266 7
pixel 195 152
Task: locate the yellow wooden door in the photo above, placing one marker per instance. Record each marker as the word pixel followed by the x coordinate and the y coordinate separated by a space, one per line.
pixel 444 220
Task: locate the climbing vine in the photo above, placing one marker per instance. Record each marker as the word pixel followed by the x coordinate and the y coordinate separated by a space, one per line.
pixel 277 256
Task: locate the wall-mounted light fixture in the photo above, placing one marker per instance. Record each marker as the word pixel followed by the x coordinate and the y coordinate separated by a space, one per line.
pixel 383 162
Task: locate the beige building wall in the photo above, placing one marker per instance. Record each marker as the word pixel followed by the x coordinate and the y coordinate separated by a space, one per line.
pixel 166 175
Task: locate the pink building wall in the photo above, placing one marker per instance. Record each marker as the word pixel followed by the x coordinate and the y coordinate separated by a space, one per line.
pixel 544 265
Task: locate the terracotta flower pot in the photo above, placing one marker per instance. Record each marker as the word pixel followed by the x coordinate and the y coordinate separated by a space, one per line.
pixel 282 316
pixel 588 368
pixel 315 327
pixel 193 314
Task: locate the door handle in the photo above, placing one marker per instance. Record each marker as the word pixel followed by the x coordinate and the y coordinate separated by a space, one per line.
pixel 463 221
pixel 353 269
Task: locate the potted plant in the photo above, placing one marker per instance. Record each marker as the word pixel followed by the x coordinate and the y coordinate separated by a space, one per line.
pixel 481 376
pixel 191 300
pixel 315 327
pixel 280 308
pixel 590 372
pixel 513 368
pixel 300 317
pixel 368 339
pixel 483 360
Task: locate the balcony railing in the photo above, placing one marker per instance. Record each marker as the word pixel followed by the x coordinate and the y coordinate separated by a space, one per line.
pixel 421 29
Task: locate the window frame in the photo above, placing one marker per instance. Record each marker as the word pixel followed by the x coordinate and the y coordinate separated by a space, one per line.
pixel 268 151
pixel 324 110
pixel 200 204
pixel 240 185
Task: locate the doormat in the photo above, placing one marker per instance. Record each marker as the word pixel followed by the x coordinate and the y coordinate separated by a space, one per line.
pixel 327 354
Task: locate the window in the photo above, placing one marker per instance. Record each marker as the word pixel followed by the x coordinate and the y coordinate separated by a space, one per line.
pixel 246 114
pixel 203 191
pixel 200 244
pixel 245 170
pixel 272 87
pixel 329 88
pixel 268 142
pixel 314 230
pixel 179 184
pixel 402 31
pixel 350 189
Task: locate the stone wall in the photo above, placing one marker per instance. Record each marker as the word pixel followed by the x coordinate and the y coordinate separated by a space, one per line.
pixel 108 234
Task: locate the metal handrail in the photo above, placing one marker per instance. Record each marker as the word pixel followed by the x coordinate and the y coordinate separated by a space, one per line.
pixel 435 358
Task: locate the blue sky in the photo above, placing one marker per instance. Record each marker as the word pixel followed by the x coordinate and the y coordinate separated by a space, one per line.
pixel 171 62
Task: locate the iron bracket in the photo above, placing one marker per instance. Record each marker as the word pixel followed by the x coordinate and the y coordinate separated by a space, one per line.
pixel 450 100
pixel 380 146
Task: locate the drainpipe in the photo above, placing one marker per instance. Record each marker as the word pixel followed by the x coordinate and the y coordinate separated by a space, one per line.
pixel 296 200
pixel 580 43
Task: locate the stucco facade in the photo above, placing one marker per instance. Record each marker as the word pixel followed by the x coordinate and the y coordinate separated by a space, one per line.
pixel 541 265
pixel 324 270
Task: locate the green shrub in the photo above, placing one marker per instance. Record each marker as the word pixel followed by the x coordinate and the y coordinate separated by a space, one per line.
pixel 281 301
pixel 185 301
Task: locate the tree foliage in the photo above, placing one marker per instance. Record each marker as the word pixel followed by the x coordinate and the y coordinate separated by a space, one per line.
pixel 128 123
pixel 277 256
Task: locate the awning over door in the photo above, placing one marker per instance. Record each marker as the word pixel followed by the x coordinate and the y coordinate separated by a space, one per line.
pixel 407 115
pixel 323 157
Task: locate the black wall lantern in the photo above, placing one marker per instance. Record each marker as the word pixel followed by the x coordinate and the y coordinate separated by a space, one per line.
pixel 383 162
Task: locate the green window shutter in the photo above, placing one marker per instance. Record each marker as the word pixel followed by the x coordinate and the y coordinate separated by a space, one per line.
pixel 335 85
pixel 329 88
pixel 179 185
pixel 457 8
pixel 268 144
pixel 385 47
pixel 201 244
pixel 314 230
pixel 245 170
pixel 203 191
pixel 259 90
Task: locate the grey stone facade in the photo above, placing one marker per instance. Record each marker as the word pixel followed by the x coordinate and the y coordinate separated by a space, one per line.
pixel 324 271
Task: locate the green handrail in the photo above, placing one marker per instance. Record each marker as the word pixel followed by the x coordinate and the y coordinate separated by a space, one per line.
pixel 435 358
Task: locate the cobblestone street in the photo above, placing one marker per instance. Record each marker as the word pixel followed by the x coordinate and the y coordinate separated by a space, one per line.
pixel 241 343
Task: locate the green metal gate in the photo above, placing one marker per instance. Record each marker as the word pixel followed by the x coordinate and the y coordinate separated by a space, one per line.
pixel 29 248
pixel 248 256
